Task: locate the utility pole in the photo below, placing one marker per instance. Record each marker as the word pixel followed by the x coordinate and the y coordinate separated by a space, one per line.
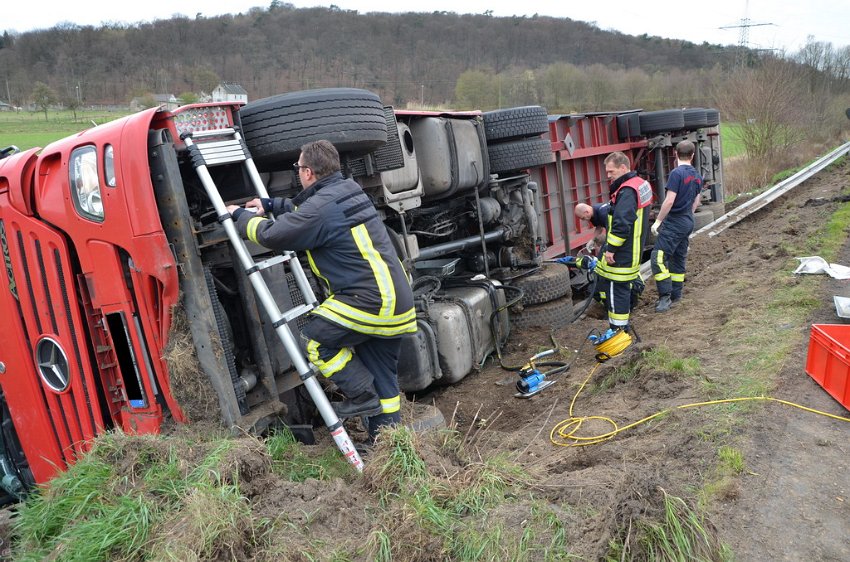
pixel 421 96
pixel 742 55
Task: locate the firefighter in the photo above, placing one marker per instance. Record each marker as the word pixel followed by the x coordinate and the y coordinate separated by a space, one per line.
pixel 354 336
pixel 673 227
pixel 628 220
pixel 597 216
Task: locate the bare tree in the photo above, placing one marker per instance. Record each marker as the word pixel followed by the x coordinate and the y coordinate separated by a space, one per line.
pixel 769 103
pixel 43 96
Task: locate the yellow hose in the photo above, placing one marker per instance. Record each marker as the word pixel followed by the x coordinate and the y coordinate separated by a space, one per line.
pixel 564 432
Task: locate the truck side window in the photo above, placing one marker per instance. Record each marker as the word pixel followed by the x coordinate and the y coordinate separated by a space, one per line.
pixel 85 183
pixel 109 165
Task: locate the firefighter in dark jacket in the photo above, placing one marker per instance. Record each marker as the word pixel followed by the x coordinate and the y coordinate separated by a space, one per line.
pixel 355 334
pixel 628 221
pixel 673 227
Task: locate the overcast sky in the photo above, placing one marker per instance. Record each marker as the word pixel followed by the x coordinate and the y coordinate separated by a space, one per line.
pixel 787 22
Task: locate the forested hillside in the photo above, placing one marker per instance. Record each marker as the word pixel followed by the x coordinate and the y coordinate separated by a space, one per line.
pixel 406 58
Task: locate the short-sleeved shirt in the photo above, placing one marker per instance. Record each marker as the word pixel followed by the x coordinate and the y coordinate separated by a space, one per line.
pixel 686 183
pixel 600 214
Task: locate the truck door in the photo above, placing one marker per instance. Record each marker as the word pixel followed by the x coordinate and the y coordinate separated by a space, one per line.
pixel 47 377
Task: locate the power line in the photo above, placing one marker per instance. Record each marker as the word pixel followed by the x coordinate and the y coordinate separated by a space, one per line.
pixel 744 37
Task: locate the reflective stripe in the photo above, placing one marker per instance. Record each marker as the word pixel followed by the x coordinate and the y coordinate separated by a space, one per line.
pixel 615 316
pixel 391 405
pixel 251 229
pixel 388 331
pixel 664 273
pixel 618 322
pixel 638 232
pixel 363 317
pixel 678 277
pixel 328 368
pixel 614 240
pixel 315 269
pixel 618 273
pixel 379 268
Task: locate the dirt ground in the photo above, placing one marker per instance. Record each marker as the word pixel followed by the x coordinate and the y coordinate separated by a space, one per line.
pixel 791 502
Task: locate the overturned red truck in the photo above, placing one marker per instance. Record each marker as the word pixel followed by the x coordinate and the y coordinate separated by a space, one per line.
pixel 122 306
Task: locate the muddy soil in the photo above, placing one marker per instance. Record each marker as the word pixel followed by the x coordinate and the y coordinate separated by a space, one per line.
pixel 792 501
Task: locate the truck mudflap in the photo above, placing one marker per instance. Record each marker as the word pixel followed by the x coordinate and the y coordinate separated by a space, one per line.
pixel 49 386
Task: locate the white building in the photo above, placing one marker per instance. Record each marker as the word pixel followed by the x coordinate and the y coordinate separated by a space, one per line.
pixel 229 92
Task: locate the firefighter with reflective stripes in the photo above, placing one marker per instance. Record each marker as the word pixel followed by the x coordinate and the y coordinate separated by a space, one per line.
pixel 673 227
pixel 628 221
pixel 355 334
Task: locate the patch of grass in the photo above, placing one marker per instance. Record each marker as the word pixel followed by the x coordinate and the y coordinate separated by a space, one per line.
pixel 732 144
pixel 731 459
pixel 93 511
pixel 422 508
pixel 290 460
pixel 680 535
pixel 26 129
pixel 656 360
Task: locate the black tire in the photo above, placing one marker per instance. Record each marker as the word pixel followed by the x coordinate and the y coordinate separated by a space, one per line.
pixel 628 125
pixel 661 121
pixel 550 283
pixel 275 128
pixel 521 154
pixel 515 123
pixel 553 314
pixel 712 117
pixel 695 118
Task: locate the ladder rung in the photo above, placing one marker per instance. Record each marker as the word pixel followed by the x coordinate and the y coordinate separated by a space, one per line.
pixel 213 133
pixel 296 311
pixel 221 152
pixel 272 261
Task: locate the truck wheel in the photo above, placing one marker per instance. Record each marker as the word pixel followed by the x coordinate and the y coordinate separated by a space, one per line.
pixel 628 125
pixel 550 283
pixel 695 118
pixel 515 123
pixel 712 117
pixel 275 128
pixel 661 121
pixel 553 314
pixel 518 155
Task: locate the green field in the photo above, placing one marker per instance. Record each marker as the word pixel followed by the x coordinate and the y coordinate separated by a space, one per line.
pixel 732 145
pixel 26 129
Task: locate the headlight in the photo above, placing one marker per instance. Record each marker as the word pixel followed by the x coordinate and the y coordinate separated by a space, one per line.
pixel 204 118
pixel 85 183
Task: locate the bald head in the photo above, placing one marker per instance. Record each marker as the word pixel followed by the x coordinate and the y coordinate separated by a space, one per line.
pixel 583 211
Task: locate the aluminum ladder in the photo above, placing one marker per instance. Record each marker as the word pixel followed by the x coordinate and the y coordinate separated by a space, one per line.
pixel 226 146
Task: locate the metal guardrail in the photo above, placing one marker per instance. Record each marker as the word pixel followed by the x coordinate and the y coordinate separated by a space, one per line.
pixel 746 209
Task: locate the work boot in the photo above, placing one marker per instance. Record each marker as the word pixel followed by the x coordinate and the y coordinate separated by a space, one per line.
pixel 365 404
pixel 675 299
pixel 664 303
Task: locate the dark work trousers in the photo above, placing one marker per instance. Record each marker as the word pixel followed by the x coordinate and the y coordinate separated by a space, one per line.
pixel 670 254
pixel 617 297
pixel 357 363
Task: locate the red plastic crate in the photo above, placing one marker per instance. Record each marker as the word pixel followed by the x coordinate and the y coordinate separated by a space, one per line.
pixel 828 361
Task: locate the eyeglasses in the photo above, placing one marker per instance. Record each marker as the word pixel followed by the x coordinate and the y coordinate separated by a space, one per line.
pixel 298 167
